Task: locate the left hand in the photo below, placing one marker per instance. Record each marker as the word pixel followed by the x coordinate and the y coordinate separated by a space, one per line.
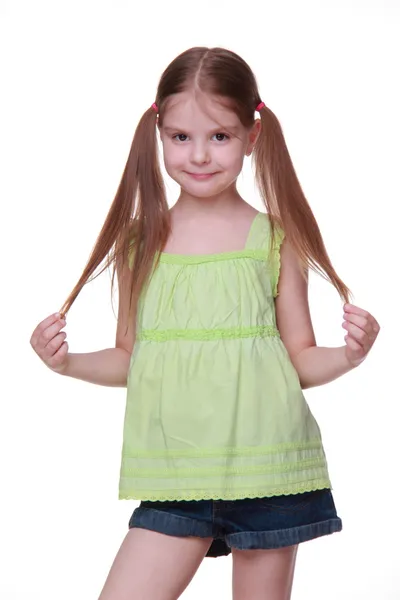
pixel 362 330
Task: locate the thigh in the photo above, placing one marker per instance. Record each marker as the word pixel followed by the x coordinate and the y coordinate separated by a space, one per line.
pixel 153 565
pixel 263 574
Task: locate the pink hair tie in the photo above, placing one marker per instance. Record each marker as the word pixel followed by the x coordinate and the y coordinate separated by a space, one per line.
pixel 154 107
pixel 260 106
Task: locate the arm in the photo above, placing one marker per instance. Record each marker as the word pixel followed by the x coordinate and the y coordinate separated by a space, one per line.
pixel 315 365
pixel 108 367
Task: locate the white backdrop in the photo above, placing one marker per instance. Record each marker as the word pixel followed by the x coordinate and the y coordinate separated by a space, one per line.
pixel 76 78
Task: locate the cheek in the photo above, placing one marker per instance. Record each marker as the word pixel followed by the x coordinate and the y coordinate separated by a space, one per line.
pixel 233 161
pixel 173 157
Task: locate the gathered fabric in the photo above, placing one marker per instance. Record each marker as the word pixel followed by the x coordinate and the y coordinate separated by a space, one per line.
pixel 214 405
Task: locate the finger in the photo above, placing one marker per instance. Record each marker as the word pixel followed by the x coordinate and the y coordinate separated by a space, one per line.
pixel 354 345
pixel 363 323
pixel 359 335
pixel 375 327
pixel 351 308
pixel 53 346
pixel 37 332
pixel 358 354
pixel 59 356
pixel 48 334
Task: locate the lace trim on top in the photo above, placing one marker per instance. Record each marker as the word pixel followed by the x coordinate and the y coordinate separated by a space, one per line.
pixel 277 255
pixel 209 494
pixel 164 335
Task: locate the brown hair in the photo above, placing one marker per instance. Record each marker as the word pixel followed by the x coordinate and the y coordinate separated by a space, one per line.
pixel 139 215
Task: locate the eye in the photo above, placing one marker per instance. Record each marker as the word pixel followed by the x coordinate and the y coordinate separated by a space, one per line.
pixel 221 135
pixel 179 135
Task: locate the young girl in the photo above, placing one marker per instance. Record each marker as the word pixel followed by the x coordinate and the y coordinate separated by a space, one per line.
pixel 214 342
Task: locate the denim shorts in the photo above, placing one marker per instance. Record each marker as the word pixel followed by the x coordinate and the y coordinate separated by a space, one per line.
pixel 258 523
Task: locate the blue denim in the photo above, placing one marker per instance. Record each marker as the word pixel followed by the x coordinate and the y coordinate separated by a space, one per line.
pixel 271 522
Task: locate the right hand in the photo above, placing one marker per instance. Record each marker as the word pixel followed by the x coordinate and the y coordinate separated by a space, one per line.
pixel 48 341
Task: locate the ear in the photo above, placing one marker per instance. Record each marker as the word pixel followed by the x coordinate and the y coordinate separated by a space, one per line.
pixel 253 136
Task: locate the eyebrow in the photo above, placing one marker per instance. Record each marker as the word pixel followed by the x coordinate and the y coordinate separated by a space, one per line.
pixel 173 129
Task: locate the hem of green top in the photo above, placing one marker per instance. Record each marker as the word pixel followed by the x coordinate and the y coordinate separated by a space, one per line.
pixel 218 494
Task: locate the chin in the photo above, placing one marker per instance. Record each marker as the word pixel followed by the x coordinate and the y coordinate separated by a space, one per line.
pixel 203 191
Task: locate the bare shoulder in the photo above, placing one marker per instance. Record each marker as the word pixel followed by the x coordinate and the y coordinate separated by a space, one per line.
pixel 125 335
pixel 291 305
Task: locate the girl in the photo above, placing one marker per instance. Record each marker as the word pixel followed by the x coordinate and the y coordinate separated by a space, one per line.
pixel 214 342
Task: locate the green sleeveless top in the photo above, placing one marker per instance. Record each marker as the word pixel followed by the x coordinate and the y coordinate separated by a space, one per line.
pixel 214 406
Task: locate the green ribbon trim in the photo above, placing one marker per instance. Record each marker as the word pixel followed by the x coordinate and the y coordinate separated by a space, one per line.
pixel 163 335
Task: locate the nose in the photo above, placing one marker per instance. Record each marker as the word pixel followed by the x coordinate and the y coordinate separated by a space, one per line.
pixel 200 153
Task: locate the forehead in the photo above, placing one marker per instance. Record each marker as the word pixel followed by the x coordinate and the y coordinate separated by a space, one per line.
pixel 205 112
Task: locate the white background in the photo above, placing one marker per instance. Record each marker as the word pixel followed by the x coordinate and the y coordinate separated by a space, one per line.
pixel 76 77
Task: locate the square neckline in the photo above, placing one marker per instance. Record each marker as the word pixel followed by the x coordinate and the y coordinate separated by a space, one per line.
pixel 172 257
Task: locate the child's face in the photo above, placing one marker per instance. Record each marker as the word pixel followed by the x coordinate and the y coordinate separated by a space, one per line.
pixel 196 144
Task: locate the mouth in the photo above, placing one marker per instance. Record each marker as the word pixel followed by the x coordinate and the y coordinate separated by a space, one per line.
pixel 200 176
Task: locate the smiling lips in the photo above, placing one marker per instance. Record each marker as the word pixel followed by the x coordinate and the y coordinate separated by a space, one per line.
pixel 201 176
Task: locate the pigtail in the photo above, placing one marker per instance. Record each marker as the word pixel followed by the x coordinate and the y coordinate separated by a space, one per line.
pixel 286 203
pixel 138 220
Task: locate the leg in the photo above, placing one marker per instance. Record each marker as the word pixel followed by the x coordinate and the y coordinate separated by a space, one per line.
pixel 263 574
pixel 153 565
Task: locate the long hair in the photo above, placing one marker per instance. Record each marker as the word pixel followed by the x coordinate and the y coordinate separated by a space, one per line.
pixel 138 223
